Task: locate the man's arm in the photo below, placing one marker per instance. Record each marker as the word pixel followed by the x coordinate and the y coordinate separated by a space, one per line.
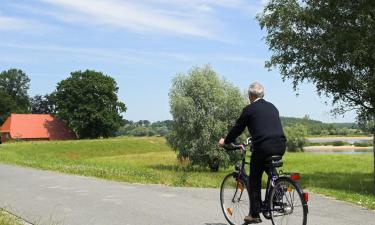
pixel 238 128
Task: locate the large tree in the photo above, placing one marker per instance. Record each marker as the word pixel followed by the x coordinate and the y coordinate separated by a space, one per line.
pixel 88 102
pixel 329 43
pixel 14 84
pixel 42 104
pixel 7 105
pixel 203 108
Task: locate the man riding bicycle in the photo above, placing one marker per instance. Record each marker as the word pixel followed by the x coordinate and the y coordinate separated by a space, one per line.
pixel 263 122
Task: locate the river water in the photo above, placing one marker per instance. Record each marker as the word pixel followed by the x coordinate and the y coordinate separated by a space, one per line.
pixel 351 140
pixel 346 150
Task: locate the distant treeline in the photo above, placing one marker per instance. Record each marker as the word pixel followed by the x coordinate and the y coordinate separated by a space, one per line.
pixel 145 128
pixel 313 127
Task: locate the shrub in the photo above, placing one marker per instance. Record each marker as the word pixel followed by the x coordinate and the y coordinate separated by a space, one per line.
pixel 363 143
pixel 295 137
pixel 140 132
pixel 203 107
pixel 339 143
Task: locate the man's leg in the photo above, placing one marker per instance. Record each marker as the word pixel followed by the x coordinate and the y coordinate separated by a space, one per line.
pixel 255 183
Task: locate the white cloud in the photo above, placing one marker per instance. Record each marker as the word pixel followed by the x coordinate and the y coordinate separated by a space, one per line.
pixel 26 26
pixel 10 23
pixel 198 18
pixel 132 16
pixel 88 52
pixel 135 55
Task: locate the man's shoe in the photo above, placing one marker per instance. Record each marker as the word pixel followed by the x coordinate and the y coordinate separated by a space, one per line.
pixel 250 220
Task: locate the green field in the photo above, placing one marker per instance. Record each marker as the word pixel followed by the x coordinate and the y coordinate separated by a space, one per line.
pixel 150 160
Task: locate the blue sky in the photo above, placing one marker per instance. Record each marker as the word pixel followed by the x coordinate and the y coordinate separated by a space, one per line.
pixel 143 44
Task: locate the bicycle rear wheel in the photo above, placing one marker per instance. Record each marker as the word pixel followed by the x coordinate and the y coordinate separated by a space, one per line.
pixel 234 199
pixel 287 204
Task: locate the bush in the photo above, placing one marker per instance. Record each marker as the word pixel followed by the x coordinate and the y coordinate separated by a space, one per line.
pixel 339 143
pixel 363 144
pixel 203 107
pixel 295 137
pixel 161 131
pixel 140 132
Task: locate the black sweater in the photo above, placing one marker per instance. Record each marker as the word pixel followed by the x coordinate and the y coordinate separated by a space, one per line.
pixel 263 122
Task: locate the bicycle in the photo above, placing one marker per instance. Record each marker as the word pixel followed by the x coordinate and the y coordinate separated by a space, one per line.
pixel 284 200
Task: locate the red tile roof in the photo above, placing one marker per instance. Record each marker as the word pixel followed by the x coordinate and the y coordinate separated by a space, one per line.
pixel 36 126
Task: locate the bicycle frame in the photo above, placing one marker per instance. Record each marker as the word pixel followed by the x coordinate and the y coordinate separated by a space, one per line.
pixel 272 176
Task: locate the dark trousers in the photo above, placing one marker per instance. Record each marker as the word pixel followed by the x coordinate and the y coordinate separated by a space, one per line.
pixel 257 167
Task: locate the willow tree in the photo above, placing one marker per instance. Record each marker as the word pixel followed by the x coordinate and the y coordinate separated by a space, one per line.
pixel 203 107
pixel 329 43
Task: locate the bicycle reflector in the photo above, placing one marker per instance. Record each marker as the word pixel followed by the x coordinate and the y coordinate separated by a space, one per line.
pixel 295 176
pixel 306 196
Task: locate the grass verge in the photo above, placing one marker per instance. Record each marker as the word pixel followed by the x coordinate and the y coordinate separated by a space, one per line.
pixel 8 219
pixel 150 160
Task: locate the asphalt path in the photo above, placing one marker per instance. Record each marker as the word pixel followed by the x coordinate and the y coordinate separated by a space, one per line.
pixel 50 198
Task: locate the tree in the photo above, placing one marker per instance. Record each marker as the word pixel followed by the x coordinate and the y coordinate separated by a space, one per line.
pixel 141 131
pixel 143 123
pixel 295 136
pixel 14 85
pixel 7 105
pixel 42 104
pixel 88 102
pixel 203 107
pixel 329 43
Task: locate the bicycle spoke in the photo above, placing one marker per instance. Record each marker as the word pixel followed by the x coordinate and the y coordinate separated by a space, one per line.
pixel 235 200
pixel 286 204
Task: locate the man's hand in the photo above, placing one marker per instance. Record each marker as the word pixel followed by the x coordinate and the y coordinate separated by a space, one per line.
pixel 221 142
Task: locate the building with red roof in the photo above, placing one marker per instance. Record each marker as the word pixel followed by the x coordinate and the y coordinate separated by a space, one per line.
pixel 33 127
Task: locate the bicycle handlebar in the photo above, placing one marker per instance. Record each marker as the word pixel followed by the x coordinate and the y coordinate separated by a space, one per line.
pixel 232 146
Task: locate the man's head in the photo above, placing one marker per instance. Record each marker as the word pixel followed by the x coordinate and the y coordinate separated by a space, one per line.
pixel 256 90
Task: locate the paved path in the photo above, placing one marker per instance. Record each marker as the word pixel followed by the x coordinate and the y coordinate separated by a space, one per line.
pixel 49 197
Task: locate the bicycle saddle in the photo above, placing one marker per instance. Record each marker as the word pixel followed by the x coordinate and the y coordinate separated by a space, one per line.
pixel 274 161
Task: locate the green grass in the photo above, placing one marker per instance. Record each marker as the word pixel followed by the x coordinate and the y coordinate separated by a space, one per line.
pixel 150 160
pixel 332 143
pixel 363 144
pixel 7 219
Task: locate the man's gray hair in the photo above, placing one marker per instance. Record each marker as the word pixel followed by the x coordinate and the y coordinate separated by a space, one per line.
pixel 256 90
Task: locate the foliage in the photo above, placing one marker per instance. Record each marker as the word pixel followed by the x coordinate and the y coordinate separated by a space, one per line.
pixel 160 128
pixel 150 160
pixel 338 143
pixel 315 127
pixel 9 219
pixel 203 108
pixel 7 105
pixel 88 102
pixel 42 104
pixel 329 43
pixel 363 143
pixel 142 131
pixel 328 143
pixel 14 84
pixel 295 136
pixel 366 122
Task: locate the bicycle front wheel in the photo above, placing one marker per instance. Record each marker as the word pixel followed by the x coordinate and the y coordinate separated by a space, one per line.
pixel 287 205
pixel 234 199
